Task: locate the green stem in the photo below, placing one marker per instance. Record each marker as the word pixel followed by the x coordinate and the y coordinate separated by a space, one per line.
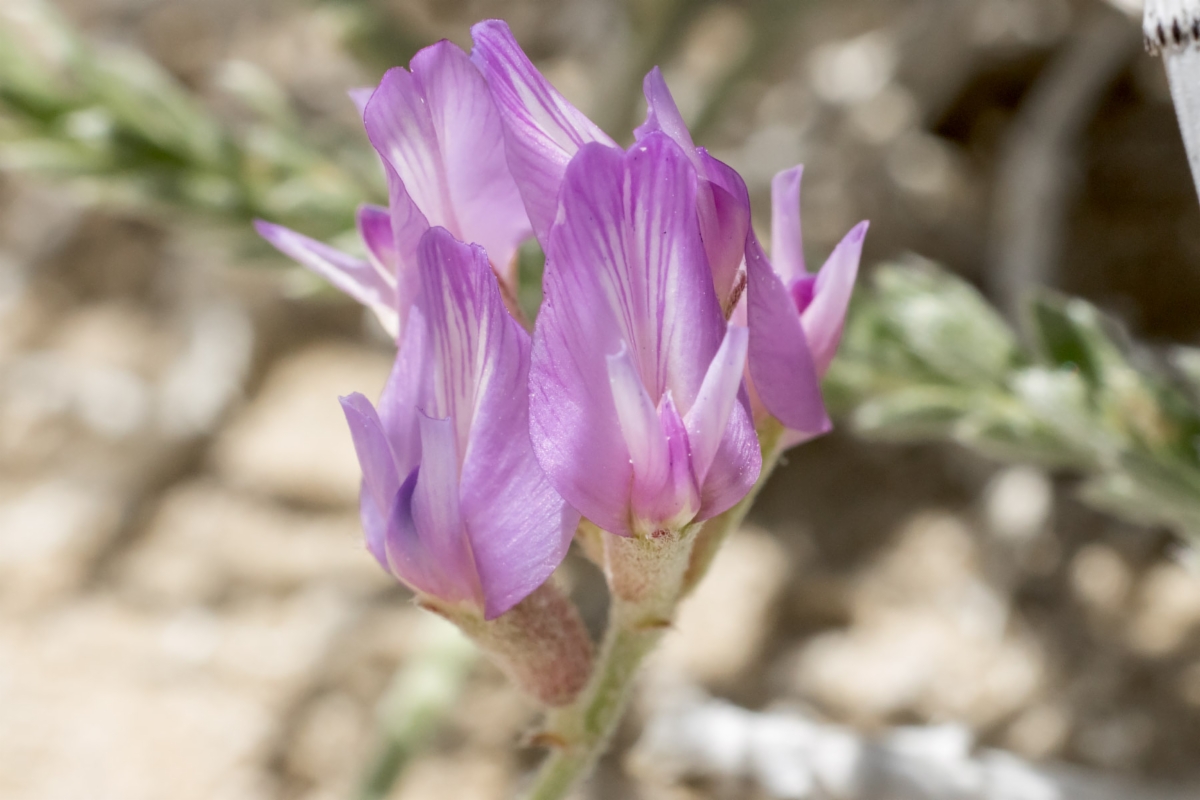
pixel 648 580
pixel 422 694
pixel 590 723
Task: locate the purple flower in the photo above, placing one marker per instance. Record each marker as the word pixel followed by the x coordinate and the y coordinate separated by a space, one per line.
pixel 636 408
pixel 821 299
pixel 454 503
pixel 442 145
pixel 796 318
pixel 543 132
pixel 786 360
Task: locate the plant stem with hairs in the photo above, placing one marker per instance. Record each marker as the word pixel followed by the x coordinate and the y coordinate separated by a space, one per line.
pixel 648 579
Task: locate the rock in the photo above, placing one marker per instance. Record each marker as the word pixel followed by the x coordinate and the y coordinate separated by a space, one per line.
pixel 1167 610
pixel 205 539
pixel 1039 731
pixel 465 776
pixel 50 531
pixel 385 636
pixel 331 743
pixel 1117 741
pixel 928 636
pixel 115 334
pixel 278 645
pixel 292 441
pixel 107 729
pixel 210 371
pixel 1101 579
pixel 1189 685
pixel 1018 503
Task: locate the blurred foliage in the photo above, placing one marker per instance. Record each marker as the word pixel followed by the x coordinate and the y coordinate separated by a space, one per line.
pixel 113 120
pixel 925 357
pixel 421 695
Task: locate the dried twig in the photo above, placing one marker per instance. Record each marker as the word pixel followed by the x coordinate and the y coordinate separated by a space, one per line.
pixel 1038 166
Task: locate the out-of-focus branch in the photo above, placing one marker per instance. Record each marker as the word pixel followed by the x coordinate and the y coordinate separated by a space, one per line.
pixel 1038 166
pixel 421 696
pixel 658 29
pixel 925 357
pixel 794 757
pixel 114 121
pixel 772 23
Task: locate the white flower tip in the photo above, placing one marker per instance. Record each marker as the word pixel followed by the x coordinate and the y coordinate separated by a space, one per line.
pixel 1171 25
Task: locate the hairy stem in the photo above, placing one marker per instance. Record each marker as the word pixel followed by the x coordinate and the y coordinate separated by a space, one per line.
pixel 645 576
pixel 581 733
pixel 648 577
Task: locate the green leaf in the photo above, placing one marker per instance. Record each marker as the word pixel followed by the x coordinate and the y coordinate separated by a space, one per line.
pixel 919 412
pixel 1072 333
pixel 1147 497
pixel 1007 432
pixel 945 323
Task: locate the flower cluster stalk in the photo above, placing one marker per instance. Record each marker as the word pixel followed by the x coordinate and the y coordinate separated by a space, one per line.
pixel 580 733
pixel 648 578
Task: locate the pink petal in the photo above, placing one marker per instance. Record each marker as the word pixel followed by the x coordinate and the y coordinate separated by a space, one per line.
pixel 438 128
pixel 375 228
pixel 662 115
pixel 470 133
pixel 723 203
pixel 625 271
pixel 671 501
pixel 736 466
pixel 375 527
pixel 380 479
pixel 787 245
pixel 519 529
pixel 360 97
pixel 456 284
pixel 408 226
pixel 354 276
pixel 825 316
pixel 665 298
pixel 708 417
pixel 426 547
pixel 401 128
pixel 407 390
pixel 724 222
pixel 781 364
pixel 542 131
pixel 638 418
pixel 436 513
pixel 374 452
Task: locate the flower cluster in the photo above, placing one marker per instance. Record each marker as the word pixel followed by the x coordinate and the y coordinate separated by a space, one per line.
pixel 665 334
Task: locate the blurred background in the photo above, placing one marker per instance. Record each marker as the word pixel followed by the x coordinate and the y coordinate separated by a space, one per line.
pixel 981 578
